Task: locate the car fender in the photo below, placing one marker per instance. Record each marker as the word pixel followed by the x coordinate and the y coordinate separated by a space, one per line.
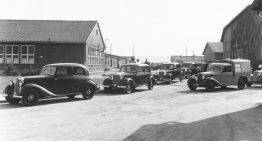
pixel 91 83
pixel 191 78
pixel 259 78
pixel 214 80
pixel 126 80
pixel 8 90
pixel 42 91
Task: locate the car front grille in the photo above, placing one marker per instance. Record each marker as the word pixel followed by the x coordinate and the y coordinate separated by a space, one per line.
pixel 116 79
pixel 161 75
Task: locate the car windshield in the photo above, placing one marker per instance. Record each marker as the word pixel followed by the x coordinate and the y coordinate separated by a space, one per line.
pixel 187 65
pixel 131 69
pixel 48 70
pixel 167 67
pixel 215 68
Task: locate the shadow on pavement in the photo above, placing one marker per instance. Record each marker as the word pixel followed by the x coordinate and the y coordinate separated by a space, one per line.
pixel 203 91
pixel 245 125
pixel 6 105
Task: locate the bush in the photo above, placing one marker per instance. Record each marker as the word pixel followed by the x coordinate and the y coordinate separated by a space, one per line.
pixel 28 72
pixel 11 71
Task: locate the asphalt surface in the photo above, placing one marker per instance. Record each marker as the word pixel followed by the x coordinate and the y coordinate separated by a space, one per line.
pixel 166 113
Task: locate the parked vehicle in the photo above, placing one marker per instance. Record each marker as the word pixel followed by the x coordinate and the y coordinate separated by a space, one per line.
pixel 129 77
pixel 55 80
pixel 168 72
pixel 223 73
pixel 256 76
pixel 187 69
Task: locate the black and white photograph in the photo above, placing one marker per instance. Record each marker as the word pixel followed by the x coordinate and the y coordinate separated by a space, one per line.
pixel 131 70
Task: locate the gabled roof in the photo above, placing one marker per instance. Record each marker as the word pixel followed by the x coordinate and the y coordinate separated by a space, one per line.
pixel 216 47
pixel 45 31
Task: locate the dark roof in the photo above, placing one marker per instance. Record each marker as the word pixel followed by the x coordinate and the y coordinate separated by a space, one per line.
pixel 67 65
pixel 257 5
pixel 216 47
pixel 45 31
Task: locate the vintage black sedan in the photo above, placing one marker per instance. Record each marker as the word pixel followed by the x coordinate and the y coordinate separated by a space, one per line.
pixel 129 77
pixel 55 80
pixel 168 72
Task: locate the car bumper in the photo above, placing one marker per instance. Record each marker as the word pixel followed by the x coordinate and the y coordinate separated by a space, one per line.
pixel 108 86
pixel 12 96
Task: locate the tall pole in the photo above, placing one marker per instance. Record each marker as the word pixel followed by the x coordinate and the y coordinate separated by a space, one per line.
pixel 133 51
pixel 186 54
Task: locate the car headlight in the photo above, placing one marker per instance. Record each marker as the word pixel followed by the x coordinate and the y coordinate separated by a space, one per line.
pixel 111 77
pixel 11 83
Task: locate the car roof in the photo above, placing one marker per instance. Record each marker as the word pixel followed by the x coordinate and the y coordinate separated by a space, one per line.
pixel 221 64
pixel 66 65
pixel 135 64
pixel 170 64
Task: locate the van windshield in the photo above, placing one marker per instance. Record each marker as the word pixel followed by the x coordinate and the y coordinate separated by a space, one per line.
pixel 167 67
pixel 215 68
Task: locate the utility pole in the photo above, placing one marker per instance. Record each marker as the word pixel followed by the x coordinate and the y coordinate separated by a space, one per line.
pixel 186 53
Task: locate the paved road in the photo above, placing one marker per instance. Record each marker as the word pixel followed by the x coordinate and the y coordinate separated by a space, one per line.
pixel 166 113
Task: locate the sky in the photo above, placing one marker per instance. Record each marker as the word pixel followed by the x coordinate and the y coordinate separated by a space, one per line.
pixel 151 27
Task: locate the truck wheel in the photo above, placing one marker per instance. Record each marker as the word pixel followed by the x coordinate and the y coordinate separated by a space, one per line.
pixel 71 96
pixel 128 89
pixel 12 101
pixel 241 83
pixel 107 89
pixel 191 83
pixel 88 93
pixel 150 84
pixel 30 97
pixel 210 86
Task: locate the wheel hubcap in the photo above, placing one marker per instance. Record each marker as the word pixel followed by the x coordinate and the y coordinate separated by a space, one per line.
pixel 31 97
pixel 88 92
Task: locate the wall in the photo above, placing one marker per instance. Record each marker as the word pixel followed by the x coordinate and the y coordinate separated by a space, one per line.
pixel 95 56
pixel 46 53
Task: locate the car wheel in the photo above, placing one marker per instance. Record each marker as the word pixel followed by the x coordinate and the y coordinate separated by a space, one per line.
pixel 12 100
pixel 71 96
pixel 128 89
pixel 30 97
pixel 107 89
pixel 210 86
pixel 241 84
pixel 150 84
pixel 88 93
pixel 191 83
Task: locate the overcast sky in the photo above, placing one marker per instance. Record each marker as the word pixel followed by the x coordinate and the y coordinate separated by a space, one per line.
pixel 152 27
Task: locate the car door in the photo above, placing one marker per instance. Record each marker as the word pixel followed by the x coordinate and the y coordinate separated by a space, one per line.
pixel 146 74
pixel 62 81
pixel 227 76
pixel 140 76
pixel 79 76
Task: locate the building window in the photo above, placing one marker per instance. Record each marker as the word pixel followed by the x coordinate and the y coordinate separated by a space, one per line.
pixel 1 54
pixel 27 54
pixel 11 54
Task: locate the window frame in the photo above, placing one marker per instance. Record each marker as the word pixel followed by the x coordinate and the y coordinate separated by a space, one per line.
pixel 12 54
pixel 27 54
pixel 2 54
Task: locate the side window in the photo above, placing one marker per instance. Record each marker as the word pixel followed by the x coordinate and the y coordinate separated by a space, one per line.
pixel 79 71
pixel 146 69
pixel 63 71
pixel 227 69
pixel 140 69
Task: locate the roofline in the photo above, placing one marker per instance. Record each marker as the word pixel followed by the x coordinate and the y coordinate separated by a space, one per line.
pixel 6 41
pixel 242 11
pixel 49 20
